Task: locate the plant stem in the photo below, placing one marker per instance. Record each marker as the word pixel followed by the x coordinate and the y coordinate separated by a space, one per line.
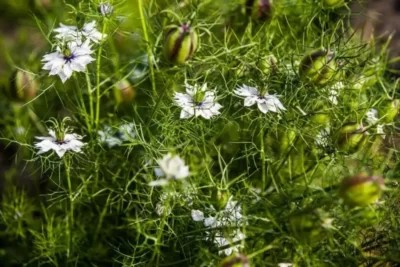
pixel 262 154
pixel 70 220
pixel 98 63
pixel 149 53
pixel 89 88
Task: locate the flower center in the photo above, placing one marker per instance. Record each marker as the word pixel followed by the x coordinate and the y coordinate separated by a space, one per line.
pixel 68 55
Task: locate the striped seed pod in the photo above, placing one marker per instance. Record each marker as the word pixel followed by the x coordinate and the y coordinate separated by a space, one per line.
pixel 318 67
pixel 23 85
pixel 124 92
pixel 180 44
pixel 351 137
pixel 237 260
pixel 259 9
pixel 361 189
pixel 306 226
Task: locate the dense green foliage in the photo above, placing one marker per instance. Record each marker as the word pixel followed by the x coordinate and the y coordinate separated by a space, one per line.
pixel 283 170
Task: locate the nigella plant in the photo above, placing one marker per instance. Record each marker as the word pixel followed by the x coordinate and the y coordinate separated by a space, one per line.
pixel 221 133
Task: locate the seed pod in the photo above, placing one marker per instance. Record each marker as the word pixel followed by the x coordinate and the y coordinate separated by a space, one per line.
pixel 389 111
pixel 23 85
pixel 361 189
pixel 219 198
pixel 106 9
pixel 259 9
pixel 268 64
pixel 124 92
pixel 318 67
pixel 180 44
pixel 332 3
pixel 351 137
pixel 237 260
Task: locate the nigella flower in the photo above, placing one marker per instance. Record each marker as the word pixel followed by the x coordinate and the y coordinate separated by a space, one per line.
pixel 65 61
pixel 197 102
pixel 265 101
pixel 334 92
pixel 107 136
pixel 60 144
pixel 230 216
pixel 106 9
pixel 68 33
pixel 172 167
pixel 372 118
pixel 116 137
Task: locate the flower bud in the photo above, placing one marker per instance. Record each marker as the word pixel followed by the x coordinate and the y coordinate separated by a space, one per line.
pixel 237 260
pixel 351 137
pixel 259 9
pixel 389 111
pixel 318 67
pixel 106 9
pixel 268 64
pixel 23 85
pixel 361 189
pixel 332 3
pixel 219 198
pixel 124 92
pixel 180 44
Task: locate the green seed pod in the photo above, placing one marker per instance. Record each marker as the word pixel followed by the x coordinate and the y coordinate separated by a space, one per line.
pixel 361 189
pixel 219 198
pixel 180 44
pixel 332 3
pixel 237 260
pixel 307 227
pixel 351 137
pixel 318 67
pixel 268 64
pixel 23 85
pixel 259 9
pixel 124 92
pixel 389 111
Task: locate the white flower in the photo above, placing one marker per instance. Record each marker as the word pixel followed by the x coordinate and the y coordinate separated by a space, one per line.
pixel 197 215
pixel 68 33
pixel 372 116
pixel 206 107
pixel 285 265
pixel 322 138
pixel 327 223
pixel 106 9
pixel 334 92
pixel 91 33
pixel 64 63
pixel 264 102
pixel 231 215
pixel 126 131
pixel 173 167
pixel 70 142
pixel 107 136
pixel 161 209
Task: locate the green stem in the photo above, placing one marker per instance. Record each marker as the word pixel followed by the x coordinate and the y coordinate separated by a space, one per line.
pixel 262 154
pixel 149 53
pixel 89 88
pixel 86 115
pixel 71 201
pixel 98 77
